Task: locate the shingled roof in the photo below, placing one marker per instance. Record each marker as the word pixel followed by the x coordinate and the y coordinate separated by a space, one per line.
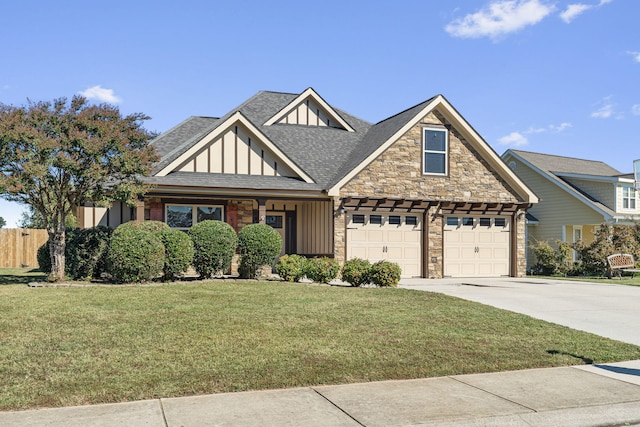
pixel 555 168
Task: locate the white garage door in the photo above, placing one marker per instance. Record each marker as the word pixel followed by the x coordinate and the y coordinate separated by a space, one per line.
pixel 476 246
pixel 386 236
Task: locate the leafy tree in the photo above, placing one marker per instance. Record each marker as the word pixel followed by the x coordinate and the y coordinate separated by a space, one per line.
pixel 60 154
pixel 3 222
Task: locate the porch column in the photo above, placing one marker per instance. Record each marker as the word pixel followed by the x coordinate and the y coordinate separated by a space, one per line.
pixel 140 211
pixel 262 211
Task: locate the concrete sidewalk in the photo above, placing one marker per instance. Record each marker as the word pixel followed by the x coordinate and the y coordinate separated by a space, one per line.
pixel 590 395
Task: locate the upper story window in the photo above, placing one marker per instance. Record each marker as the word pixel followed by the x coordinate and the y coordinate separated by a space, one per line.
pixel 436 151
pixel 185 216
pixel 628 198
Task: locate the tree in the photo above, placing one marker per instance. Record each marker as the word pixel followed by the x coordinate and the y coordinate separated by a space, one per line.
pixel 58 155
pixel 3 222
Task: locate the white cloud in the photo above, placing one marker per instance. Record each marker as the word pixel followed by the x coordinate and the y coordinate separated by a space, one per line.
pixel 607 109
pixel 101 94
pixel 499 18
pixel 561 127
pixel 573 10
pixel 514 139
pixel 636 55
pixel 636 110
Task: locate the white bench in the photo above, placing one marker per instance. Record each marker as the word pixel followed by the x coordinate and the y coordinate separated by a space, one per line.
pixel 619 263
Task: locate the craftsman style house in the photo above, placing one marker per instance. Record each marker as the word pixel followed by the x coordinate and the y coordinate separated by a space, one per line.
pixel 420 188
pixel 576 196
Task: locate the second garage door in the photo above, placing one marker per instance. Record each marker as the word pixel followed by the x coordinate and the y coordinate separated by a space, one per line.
pixel 386 236
pixel 476 246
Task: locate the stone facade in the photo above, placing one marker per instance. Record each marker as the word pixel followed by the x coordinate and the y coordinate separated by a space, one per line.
pixel 397 173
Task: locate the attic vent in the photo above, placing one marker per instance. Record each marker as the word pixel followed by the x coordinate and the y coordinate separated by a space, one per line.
pixel 512 165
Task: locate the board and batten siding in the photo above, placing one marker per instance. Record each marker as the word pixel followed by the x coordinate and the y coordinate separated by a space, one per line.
pixel 239 152
pixel 308 113
pixel 92 216
pixel 315 228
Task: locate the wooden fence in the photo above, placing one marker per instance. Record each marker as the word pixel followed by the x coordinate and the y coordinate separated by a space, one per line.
pixel 19 246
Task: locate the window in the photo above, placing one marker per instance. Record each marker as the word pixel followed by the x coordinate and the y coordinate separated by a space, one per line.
pixel 358 219
pixel 467 221
pixel 435 151
pixel 485 222
pixel 184 216
pixel 375 219
pixel 411 220
pixel 500 222
pixel 628 198
pixel 452 220
pixel 394 219
pixel 274 221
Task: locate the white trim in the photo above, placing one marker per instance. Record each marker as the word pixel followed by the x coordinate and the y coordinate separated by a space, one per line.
pixel 235 118
pixel 633 198
pixel 309 93
pixel 425 151
pixel 588 177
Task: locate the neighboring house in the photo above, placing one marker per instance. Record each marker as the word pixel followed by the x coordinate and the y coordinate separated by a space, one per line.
pixel 420 188
pixel 576 196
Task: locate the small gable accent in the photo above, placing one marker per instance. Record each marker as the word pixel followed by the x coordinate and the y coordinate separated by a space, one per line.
pixel 309 109
pixel 236 147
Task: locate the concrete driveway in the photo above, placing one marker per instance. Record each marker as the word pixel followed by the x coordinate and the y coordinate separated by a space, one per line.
pixel 611 311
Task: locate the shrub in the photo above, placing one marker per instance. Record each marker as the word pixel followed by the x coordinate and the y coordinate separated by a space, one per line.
pixel 214 244
pixel 291 267
pixel 321 270
pixel 150 226
pixel 385 273
pixel 608 239
pixel 258 245
pixel 178 249
pixel 44 258
pixel 135 254
pixel 356 271
pixel 86 252
pixel 552 261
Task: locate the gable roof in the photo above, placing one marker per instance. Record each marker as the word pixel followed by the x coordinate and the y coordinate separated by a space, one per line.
pixel 556 168
pixel 324 157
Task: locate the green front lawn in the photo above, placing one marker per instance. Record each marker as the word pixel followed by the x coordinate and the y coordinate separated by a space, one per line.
pixel 80 345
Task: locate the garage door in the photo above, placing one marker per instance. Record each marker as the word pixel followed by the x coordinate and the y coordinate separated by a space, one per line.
pixel 387 236
pixel 476 246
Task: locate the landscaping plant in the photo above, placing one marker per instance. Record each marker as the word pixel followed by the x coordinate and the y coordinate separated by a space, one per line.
pixel 321 270
pixel 214 244
pixel 356 271
pixel 135 255
pixel 258 245
pixel 178 249
pixel 291 268
pixel 385 273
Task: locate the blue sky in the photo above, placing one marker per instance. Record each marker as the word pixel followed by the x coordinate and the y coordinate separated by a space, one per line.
pixel 557 77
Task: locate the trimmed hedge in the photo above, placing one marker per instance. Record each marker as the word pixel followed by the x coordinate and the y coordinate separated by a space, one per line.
pixel 150 226
pixel 258 245
pixel 178 248
pixel 86 252
pixel 291 268
pixel 356 271
pixel 385 273
pixel 322 270
pixel 214 244
pixel 135 255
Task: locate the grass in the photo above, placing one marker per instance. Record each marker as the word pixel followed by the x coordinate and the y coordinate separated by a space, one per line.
pixel 12 276
pixel 63 346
